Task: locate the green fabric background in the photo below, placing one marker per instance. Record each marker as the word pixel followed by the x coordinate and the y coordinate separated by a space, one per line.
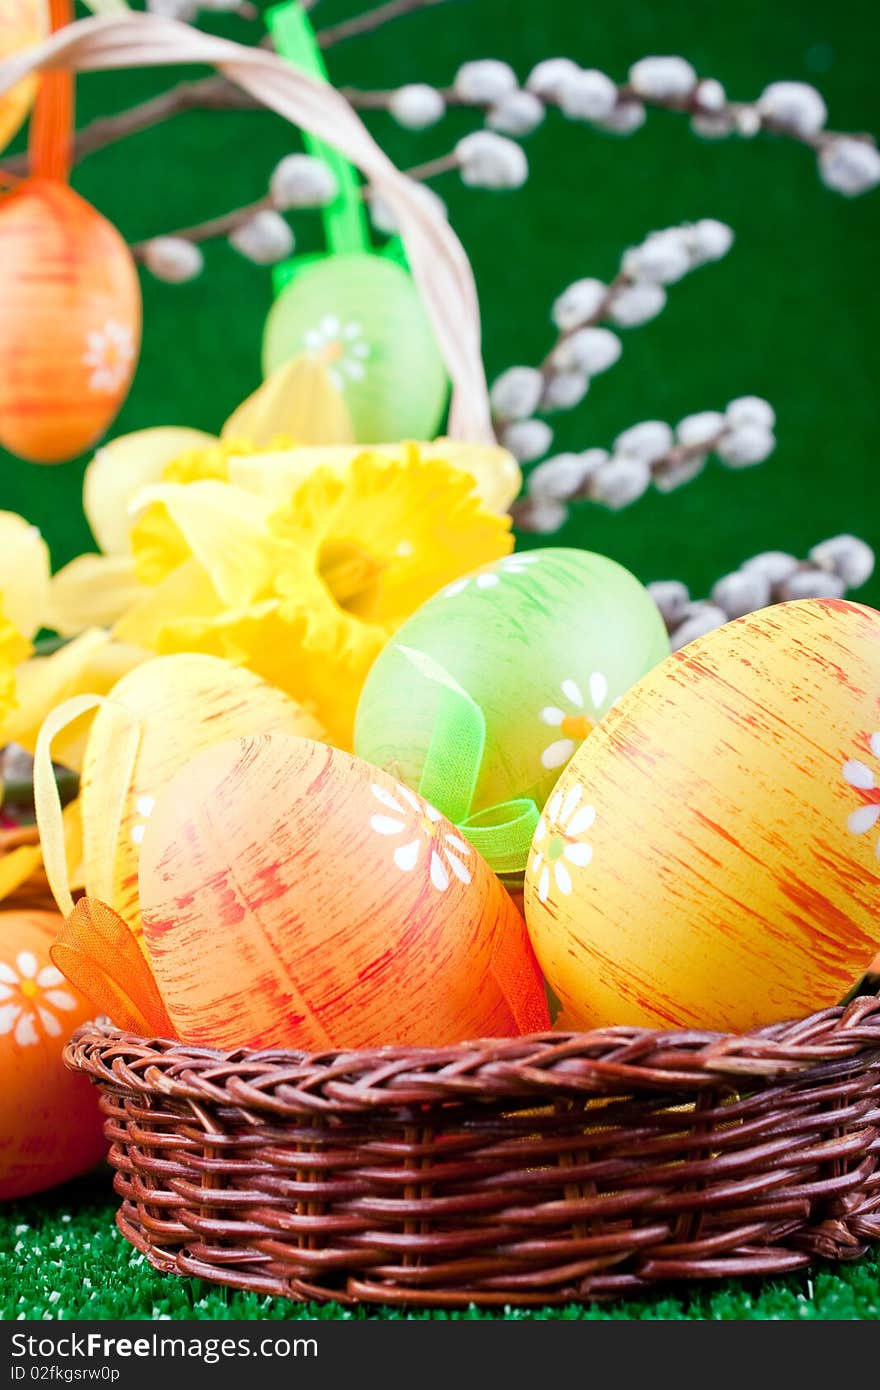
pixel 790 314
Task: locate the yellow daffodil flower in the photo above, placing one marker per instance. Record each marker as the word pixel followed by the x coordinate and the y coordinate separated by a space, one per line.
pixel 24 590
pixel 24 574
pixel 13 649
pixel 91 664
pixel 294 424
pixel 305 593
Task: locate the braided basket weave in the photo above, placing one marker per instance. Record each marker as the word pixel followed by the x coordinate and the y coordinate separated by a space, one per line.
pixel 529 1171
pixel 535 1170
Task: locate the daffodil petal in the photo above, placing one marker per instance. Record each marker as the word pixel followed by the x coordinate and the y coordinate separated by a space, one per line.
pixel 92 591
pixel 13 649
pixel 24 573
pixel 277 473
pixel 120 469
pixel 298 400
pixel 224 529
pixel 90 664
pixel 17 867
pixel 494 472
pixel 185 592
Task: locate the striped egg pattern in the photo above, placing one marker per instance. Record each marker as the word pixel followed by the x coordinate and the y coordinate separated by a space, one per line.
pixel 71 322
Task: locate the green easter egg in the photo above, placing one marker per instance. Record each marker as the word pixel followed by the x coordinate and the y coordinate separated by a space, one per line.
pixel 361 315
pixel 544 642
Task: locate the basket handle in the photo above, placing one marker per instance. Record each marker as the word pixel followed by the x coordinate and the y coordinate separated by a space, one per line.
pixel 436 257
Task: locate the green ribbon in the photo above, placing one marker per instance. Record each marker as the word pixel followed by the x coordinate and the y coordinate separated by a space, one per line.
pixel 345 220
pixel 502 833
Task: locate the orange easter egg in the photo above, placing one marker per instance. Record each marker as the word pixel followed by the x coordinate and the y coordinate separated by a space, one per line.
pixel 294 896
pixel 22 23
pixel 711 855
pixel 71 322
pixel 50 1124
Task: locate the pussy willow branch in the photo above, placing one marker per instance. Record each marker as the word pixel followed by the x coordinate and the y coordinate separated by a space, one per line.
pixel 370 20
pixel 229 221
pixel 523 509
pixel 207 94
pixel 215 226
pixel 433 167
pixel 211 93
pixel 545 367
pixel 621 281
pixel 379 100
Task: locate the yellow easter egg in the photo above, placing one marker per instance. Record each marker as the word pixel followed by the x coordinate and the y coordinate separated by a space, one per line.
pixel 711 855
pixel 50 1123
pixel 154 720
pixel 295 896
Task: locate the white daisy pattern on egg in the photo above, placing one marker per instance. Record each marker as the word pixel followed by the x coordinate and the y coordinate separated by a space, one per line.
pixel 109 355
pixel 341 346
pixel 30 1000
pixel 571 717
pixel 558 848
pixel 420 828
pixel 862 779
pixel 491 575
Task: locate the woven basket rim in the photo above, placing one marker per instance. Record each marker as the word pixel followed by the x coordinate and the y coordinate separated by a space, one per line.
pixel 552 1168
pixel 828 1045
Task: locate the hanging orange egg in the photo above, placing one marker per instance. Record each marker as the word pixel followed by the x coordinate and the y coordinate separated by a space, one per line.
pixel 50 1124
pixel 22 23
pixel 70 323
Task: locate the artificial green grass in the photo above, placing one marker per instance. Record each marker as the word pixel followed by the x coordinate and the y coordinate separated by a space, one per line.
pixel 61 1257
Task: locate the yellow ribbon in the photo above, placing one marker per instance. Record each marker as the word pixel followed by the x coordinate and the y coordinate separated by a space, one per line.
pixel 116 774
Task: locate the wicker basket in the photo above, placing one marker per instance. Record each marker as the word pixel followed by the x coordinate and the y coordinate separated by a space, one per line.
pixel 529 1171
pixel 535 1170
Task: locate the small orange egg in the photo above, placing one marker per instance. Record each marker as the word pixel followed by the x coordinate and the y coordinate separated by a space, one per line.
pixel 294 896
pixel 71 322
pixel 50 1124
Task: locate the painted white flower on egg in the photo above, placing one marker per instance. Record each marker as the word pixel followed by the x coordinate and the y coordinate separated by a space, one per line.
pixel 861 778
pixel 30 999
pixel 571 717
pixel 492 575
pixel 557 847
pixel 341 346
pixel 109 354
pixel 420 828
